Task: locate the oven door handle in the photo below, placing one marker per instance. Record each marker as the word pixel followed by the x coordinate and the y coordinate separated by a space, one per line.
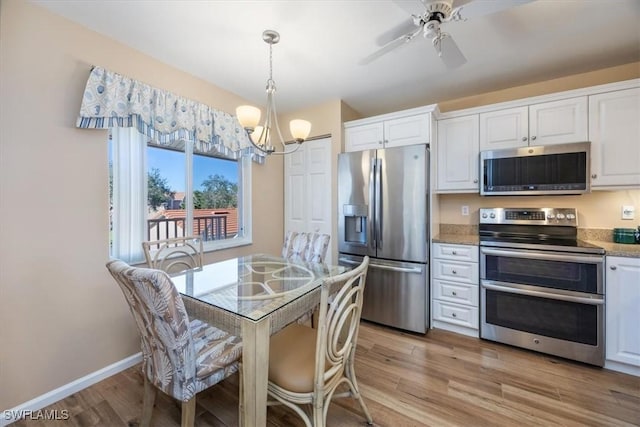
pixel 543 256
pixel 541 294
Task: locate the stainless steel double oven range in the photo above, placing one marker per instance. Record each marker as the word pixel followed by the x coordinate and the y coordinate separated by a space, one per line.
pixel 540 287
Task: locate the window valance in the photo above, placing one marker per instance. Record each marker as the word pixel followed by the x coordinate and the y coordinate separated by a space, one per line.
pixel 113 100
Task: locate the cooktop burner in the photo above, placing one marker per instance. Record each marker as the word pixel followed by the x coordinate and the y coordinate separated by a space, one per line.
pixel 533 228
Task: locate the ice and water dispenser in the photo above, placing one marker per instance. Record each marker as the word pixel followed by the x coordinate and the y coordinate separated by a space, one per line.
pixel 355 224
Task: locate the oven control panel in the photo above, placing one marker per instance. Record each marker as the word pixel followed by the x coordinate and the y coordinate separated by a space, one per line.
pixel 532 216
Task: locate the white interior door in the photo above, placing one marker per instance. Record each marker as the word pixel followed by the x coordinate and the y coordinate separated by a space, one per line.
pixel 308 189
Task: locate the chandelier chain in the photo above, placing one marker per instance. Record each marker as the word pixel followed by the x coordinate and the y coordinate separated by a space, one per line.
pixel 270 61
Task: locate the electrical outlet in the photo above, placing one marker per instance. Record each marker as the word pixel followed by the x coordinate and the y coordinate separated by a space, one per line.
pixel 465 211
pixel 628 212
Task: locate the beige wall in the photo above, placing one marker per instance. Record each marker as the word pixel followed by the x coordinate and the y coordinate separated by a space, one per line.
pixel 598 209
pixel 577 81
pixel 62 316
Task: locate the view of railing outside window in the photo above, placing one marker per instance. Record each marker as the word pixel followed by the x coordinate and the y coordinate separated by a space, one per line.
pixel 214 195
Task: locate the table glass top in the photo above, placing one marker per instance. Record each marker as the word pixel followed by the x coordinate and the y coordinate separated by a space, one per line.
pixel 253 286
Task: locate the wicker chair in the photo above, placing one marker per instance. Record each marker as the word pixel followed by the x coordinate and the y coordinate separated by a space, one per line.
pixel 173 255
pixel 306 365
pixel 180 357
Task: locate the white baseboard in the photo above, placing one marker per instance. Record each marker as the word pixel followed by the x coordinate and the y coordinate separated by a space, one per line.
pixel 622 367
pixel 14 414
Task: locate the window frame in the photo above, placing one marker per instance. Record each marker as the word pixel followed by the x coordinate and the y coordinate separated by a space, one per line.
pixel 129 176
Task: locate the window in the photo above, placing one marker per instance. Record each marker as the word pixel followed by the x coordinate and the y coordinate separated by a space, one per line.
pixel 159 191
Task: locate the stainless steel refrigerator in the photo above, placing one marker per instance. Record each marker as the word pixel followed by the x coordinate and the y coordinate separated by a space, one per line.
pixel 383 206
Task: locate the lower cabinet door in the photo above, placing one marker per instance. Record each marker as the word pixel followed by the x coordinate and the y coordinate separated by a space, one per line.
pixel 456 314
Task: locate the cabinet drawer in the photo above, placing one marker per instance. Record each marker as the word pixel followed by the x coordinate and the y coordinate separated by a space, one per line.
pixel 461 293
pixel 455 252
pixel 452 313
pixel 457 271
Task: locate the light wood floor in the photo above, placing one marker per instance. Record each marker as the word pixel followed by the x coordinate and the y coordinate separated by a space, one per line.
pixel 441 379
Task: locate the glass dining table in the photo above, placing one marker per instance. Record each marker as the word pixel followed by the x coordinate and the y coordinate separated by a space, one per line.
pixel 253 297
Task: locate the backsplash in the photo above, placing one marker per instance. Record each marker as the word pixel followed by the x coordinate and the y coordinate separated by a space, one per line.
pixel 596 234
pixel 596 210
pixel 458 229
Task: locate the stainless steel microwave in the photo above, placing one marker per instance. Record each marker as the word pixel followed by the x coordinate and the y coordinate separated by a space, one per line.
pixel 543 170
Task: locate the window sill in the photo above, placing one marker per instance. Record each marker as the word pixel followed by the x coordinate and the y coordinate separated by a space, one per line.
pixel 226 244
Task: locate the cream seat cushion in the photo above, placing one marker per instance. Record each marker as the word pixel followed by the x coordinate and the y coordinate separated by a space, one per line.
pixel 292 353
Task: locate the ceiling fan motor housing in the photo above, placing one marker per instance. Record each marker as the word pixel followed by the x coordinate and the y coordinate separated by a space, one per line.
pixel 438 9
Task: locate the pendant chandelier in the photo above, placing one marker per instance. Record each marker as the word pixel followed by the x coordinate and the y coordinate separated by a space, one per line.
pixel 249 116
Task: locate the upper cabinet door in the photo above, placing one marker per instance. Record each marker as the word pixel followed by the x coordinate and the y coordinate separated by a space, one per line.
pixel 407 131
pixel 364 137
pixel 614 130
pixel 558 122
pixel 457 153
pixel 504 129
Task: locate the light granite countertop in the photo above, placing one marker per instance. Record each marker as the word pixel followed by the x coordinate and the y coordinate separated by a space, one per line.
pixel 457 239
pixel 618 249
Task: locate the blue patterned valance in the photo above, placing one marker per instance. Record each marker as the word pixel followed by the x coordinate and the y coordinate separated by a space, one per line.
pixel 113 100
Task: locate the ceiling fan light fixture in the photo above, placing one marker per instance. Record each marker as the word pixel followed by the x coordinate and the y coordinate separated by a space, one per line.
pixel 431 29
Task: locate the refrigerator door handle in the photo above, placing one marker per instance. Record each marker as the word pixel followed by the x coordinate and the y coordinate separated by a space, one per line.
pixel 383 267
pixel 379 203
pixel 372 202
pixel 396 269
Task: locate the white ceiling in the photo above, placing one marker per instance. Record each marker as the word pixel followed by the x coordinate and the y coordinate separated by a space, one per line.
pixel 322 42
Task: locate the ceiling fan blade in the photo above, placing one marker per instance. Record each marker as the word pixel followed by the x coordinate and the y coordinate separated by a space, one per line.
pixel 394 33
pixel 473 9
pixel 393 44
pixel 450 53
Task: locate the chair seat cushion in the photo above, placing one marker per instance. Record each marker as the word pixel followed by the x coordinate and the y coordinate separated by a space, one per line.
pixel 292 354
pixel 215 348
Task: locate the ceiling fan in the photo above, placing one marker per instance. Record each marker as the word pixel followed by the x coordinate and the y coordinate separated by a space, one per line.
pixel 428 22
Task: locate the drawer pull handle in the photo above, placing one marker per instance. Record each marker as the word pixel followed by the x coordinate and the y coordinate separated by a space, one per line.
pixel 454 272
pixel 454 315
pixel 454 293
pixel 454 252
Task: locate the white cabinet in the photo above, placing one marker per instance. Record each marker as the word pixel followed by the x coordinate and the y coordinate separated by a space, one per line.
pixel 555 122
pixel 455 278
pixel 457 150
pixel 623 314
pixel 614 130
pixel 364 137
pixel 504 129
pixel 398 129
pixel 307 189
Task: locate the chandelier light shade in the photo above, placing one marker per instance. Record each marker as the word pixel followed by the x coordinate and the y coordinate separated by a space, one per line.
pixel 261 135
